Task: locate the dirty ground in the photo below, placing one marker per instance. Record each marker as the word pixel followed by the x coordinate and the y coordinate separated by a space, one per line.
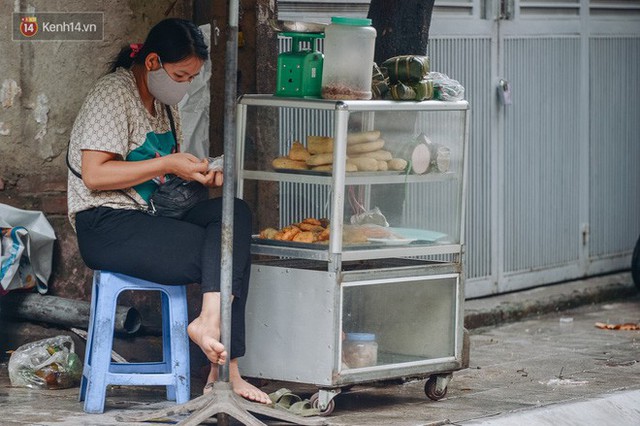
pixel 548 362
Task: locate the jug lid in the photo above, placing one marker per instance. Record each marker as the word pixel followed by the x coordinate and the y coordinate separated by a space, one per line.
pixel 358 22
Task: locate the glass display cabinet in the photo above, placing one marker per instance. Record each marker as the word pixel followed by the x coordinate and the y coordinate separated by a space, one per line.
pixel 358 243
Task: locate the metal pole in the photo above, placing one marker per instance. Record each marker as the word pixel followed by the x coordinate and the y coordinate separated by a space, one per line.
pixel 228 192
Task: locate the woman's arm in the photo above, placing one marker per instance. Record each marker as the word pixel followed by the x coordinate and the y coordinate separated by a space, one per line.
pixel 106 171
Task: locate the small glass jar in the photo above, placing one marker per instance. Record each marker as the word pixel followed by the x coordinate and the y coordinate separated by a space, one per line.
pixel 349 47
pixel 359 350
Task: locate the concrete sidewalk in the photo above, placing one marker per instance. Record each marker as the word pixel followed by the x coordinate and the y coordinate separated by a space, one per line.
pixel 534 360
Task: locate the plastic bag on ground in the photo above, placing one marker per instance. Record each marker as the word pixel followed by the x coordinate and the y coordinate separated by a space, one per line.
pixel 46 364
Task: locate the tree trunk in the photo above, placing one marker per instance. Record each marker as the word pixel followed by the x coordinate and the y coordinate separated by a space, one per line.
pixel 402 26
pixel 402 29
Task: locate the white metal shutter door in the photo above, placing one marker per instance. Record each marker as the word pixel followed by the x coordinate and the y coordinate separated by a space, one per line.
pixel 541 146
pixel 468 59
pixel 614 133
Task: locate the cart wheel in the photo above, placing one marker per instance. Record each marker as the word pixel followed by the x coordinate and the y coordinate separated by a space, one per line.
pixel 431 389
pixel 327 411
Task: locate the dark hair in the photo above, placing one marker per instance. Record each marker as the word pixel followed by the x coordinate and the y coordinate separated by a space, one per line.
pixel 172 39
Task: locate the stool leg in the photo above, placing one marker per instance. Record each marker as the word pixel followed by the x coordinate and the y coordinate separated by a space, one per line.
pixel 180 346
pixel 166 341
pixel 101 345
pixel 90 331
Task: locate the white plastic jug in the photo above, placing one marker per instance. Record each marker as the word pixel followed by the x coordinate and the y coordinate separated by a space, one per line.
pixel 348 58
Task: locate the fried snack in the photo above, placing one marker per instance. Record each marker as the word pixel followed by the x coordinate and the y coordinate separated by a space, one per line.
pixel 353 235
pixel 324 235
pixel 320 159
pixel 382 166
pixel 319 144
pixel 287 233
pixel 312 221
pixel 360 137
pixel 303 237
pixel 377 231
pixel 309 227
pixel 268 233
pixel 298 152
pixel 361 148
pixel 287 163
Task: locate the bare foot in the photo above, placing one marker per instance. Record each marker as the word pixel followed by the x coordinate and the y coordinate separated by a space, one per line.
pixel 240 386
pixel 206 334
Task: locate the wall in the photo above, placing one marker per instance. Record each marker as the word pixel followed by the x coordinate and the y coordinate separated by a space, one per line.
pixel 33 173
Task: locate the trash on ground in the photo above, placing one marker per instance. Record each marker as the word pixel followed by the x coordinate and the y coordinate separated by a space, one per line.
pixel 46 364
pixel 624 326
pixel 565 382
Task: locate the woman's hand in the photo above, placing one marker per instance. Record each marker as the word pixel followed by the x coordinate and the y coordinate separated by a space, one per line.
pixel 189 167
pixel 213 179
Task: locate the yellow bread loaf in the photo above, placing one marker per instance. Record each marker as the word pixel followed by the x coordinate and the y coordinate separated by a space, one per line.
pixel 319 144
pixel 288 163
pixel 320 159
pixel 298 152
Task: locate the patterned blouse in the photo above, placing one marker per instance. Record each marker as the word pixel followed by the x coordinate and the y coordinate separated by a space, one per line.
pixel 113 119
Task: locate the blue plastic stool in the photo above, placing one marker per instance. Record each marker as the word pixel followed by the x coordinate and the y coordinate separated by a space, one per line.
pixel 99 371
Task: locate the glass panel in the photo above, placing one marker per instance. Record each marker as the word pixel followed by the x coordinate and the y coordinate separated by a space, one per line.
pixel 398 322
pixel 403 180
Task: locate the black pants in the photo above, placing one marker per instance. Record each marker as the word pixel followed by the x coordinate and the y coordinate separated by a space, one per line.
pixel 171 251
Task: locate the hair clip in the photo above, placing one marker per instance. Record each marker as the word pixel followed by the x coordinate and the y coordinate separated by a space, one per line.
pixel 135 48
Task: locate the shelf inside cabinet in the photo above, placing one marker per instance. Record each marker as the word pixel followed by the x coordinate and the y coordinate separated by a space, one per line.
pixel 351 178
pixel 359 252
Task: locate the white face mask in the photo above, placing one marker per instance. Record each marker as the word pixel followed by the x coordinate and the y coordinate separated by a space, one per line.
pixel 164 88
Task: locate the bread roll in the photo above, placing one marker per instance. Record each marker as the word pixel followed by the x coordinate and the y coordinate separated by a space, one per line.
pixel 349 167
pixel 397 164
pixel 380 154
pixel 365 164
pixel 360 137
pixel 382 165
pixel 361 148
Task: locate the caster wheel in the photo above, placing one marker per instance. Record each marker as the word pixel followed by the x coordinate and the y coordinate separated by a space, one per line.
pixel 430 389
pixel 327 411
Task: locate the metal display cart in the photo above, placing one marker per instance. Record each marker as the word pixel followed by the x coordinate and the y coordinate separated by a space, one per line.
pixel 406 293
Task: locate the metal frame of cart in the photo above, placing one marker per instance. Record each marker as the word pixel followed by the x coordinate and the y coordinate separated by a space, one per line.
pixel 300 297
